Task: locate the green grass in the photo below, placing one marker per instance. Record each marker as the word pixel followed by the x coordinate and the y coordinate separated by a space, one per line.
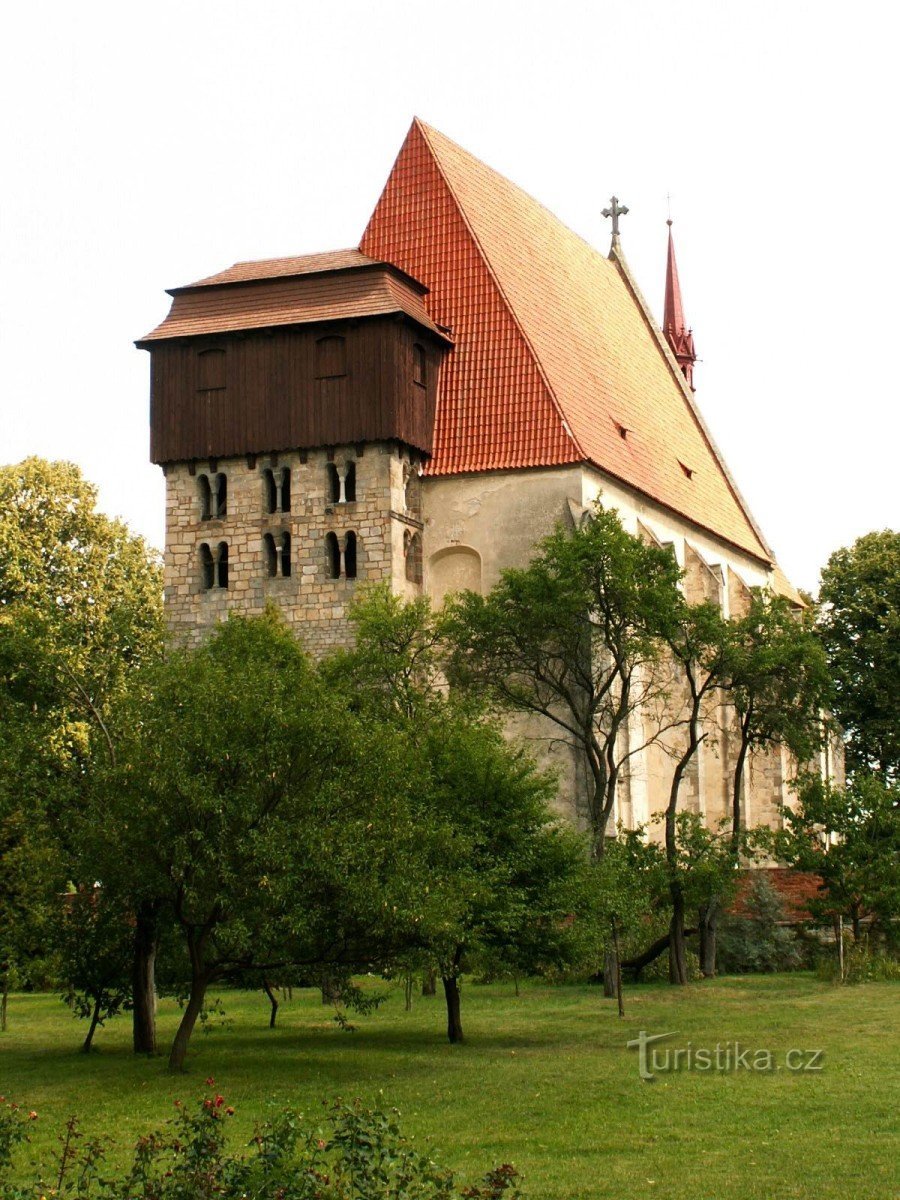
pixel 544 1080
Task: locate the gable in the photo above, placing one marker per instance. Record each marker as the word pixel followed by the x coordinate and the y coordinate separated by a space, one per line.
pixel 556 358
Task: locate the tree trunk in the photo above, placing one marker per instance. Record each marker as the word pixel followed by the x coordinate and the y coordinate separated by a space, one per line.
pixel 4 1002
pixel 429 982
pixel 678 973
pixel 331 993
pixel 737 791
pixel 708 925
pixel 273 1002
pixel 408 991
pixel 95 1021
pixel 650 955
pixel 199 983
pixel 618 966
pixel 609 973
pixel 143 983
pixel 454 1022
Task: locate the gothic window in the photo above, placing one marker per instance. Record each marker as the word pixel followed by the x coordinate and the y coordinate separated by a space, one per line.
pixel 220 496
pixel 331 357
pixel 420 365
pixel 205 494
pixel 207 568
pixel 332 556
pixel 350 555
pixel 222 565
pixel 211 370
pixel 413 549
pixel 277 486
pixel 271 555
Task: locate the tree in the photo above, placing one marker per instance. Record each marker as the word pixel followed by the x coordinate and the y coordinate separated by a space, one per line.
pixel 502 883
pixel 267 820
pixel 80 613
pixel 778 682
pixel 95 952
pixel 575 638
pixel 860 626
pixel 850 838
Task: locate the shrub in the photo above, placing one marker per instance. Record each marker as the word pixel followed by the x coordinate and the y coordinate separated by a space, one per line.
pixel 360 1155
pixel 758 941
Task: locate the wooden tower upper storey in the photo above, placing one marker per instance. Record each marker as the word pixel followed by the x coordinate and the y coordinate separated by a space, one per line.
pixel 294 353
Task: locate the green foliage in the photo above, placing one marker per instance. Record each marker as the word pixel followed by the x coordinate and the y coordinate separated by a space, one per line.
pixel 850 838
pixel 860 625
pixel 575 638
pixel 862 964
pixel 758 940
pixel 361 1154
pixel 93 941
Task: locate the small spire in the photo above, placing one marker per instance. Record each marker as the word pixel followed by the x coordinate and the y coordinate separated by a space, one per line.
pixel 678 335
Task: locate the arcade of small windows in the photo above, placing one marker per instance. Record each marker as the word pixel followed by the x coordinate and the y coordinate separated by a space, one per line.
pixel 342 484
pixel 213 491
pixel 277 484
pixel 340 557
pixel 213 566
pixel 277 551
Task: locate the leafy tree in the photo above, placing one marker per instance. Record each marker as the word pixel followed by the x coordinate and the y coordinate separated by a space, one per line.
pixel 503 885
pixel 80 610
pixel 626 883
pixel 95 955
pixel 850 838
pixel 757 939
pixel 779 684
pixel 575 638
pixel 860 625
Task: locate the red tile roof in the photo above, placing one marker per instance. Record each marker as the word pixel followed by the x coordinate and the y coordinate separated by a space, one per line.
pixel 555 351
pixel 228 302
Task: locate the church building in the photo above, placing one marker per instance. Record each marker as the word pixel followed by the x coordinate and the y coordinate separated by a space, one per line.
pixel 423 409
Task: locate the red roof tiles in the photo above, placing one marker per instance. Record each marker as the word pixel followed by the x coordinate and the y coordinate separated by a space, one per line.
pixel 555 351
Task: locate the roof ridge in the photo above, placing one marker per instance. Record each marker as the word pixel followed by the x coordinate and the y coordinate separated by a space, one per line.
pixel 617 258
pixel 425 130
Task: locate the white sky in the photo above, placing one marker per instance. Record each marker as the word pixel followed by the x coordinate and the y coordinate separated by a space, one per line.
pixel 146 145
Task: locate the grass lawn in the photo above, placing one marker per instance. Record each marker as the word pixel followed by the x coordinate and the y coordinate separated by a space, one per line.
pixel 544 1080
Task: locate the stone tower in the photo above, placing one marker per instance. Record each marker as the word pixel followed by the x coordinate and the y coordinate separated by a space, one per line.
pixel 292 408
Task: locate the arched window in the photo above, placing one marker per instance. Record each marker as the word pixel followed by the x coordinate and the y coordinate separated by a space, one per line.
pixel 222 565
pixel 350 481
pixel 413 547
pixel 205 494
pixel 285 555
pixel 332 556
pixel 284 490
pixel 211 370
pixel 350 555
pixel 331 357
pixel 277 490
pixel 271 491
pixel 220 496
pixel 420 365
pixel 271 555
pixel 334 484
pixel 207 568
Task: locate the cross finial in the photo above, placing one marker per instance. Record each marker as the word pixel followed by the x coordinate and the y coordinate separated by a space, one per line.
pixel 615 211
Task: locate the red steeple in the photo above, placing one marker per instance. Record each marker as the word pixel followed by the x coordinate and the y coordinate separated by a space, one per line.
pixel 679 337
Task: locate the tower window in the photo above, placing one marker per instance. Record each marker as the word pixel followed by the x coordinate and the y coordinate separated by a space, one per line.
pixel 207 568
pixel 332 556
pixel 350 555
pixel 341 484
pixel 211 370
pixel 331 357
pixel 222 565
pixel 277 486
pixel 205 493
pixel 277 554
pixel 420 365
pixel 220 496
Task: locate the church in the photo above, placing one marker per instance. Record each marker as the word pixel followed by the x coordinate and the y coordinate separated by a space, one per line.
pixel 423 409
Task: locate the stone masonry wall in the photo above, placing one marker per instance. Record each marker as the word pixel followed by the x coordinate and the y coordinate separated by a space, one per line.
pixel 386 505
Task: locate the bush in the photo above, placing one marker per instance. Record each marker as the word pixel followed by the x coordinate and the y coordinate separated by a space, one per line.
pixel 862 964
pixel 758 941
pixel 360 1155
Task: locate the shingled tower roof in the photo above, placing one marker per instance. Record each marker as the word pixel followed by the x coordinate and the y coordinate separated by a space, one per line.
pixel 557 359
